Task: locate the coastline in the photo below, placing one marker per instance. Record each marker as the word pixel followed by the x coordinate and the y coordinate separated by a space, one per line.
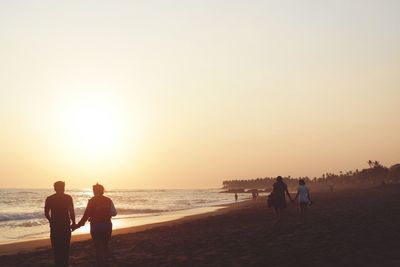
pixel 354 227
pixel 130 225
pixel 25 221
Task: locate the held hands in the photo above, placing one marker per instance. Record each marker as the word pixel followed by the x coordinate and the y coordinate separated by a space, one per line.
pixel 75 226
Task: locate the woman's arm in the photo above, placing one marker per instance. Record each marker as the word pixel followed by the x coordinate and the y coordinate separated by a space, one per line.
pixel 297 195
pixel 287 193
pixel 86 215
pixel 308 195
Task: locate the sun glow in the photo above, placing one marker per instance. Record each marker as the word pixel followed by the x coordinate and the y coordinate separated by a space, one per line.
pixel 93 128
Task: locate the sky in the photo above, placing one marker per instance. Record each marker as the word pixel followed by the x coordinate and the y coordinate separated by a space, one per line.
pixel 185 94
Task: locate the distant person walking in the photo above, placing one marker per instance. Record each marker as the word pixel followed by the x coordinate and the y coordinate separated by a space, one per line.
pixel 279 200
pixel 59 211
pixel 99 211
pixel 303 194
pixel 236 197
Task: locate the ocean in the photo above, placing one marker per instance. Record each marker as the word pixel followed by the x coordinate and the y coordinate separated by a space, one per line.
pixel 22 217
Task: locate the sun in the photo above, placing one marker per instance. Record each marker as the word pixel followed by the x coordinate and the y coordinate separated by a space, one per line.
pixel 96 128
pixel 93 128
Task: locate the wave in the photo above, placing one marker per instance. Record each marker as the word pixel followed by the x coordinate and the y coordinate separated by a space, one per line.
pixel 79 211
pixel 30 223
pixel 139 211
pixel 20 216
pixel 26 193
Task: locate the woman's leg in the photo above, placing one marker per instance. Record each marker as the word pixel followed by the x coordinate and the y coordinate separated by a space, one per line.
pixel 106 253
pixel 278 216
pixel 303 210
pixel 100 247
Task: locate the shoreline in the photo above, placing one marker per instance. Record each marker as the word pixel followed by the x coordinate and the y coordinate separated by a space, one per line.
pixel 25 221
pixel 357 227
pixel 131 225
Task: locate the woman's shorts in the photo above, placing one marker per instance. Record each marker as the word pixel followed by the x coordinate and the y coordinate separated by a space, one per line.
pixel 101 230
pixel 304 204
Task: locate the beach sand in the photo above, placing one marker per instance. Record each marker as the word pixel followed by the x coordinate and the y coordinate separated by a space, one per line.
pixel 344 228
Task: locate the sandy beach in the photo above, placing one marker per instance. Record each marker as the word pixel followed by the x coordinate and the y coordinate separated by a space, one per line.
pixel 344 228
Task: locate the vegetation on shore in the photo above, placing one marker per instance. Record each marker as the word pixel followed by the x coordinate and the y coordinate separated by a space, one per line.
pixel 376 173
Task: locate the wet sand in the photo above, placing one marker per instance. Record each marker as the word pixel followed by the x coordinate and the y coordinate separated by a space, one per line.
pixel 344 228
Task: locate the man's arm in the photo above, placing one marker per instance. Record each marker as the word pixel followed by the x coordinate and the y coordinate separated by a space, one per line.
pixel 113 209
pixel 47 210
pixel 71 212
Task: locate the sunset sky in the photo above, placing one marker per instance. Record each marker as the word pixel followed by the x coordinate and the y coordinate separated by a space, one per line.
pixel 184 94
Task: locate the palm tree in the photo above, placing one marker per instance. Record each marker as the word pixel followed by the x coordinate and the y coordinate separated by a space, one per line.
pixel 370 163
pixel 377 164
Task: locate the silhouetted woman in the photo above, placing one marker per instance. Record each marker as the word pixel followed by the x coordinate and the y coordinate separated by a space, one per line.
pixel 304 199
pixel 279 200
pixel 99 211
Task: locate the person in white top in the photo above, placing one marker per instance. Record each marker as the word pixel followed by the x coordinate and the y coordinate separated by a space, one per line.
pixel 304 198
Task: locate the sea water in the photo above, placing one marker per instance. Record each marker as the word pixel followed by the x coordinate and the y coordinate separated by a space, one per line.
pixel 22 210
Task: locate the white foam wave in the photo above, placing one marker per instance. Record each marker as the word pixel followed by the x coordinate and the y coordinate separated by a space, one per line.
pixel 20 216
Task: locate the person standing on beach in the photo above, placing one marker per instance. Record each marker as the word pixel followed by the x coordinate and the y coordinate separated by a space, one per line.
pixel 304 199
pixel 279 199
pixel 59 211
pixel 99 211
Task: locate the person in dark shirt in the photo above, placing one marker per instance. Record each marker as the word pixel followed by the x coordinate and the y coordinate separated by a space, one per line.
pixel 59 211
pixel 279 202
pixel 99 211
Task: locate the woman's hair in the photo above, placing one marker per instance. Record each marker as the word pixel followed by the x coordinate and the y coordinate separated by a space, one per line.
pixel 98 188
pixel 302 182
pixel 279 179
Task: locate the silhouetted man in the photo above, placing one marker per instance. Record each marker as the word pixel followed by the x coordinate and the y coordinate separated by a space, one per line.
pixel 59 210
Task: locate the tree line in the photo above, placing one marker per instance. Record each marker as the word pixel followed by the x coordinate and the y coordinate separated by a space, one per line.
pixel 376 173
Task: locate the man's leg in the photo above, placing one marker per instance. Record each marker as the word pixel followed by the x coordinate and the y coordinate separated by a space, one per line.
pixel 55 244
pixel 65 246
pixel 60 240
